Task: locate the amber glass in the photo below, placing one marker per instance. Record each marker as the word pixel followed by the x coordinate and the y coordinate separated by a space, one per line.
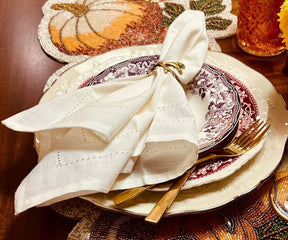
pixel 279 197
pixel 258 29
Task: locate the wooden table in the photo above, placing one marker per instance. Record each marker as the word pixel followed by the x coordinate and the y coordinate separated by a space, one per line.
pixel 24 69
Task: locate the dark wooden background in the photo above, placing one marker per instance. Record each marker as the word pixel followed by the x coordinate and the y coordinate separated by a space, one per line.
pixel 24 69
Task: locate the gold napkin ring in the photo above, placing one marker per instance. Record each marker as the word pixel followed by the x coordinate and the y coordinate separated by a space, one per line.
pixel 168 67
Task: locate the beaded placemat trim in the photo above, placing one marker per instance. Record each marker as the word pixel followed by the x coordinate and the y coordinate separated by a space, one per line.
pixel 251 217
pixel 72 30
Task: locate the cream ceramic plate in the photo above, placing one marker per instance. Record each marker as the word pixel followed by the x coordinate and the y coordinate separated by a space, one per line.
pixel 216 194
pixel 211 195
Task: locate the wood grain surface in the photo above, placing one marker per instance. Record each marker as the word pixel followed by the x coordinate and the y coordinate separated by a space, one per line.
pixel 24 69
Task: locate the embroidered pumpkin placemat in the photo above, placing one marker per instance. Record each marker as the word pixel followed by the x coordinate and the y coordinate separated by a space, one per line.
pixel 72 30
pixel 250 217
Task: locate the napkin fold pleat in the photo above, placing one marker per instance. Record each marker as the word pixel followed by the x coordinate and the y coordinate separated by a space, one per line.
pixel 186 40
pixel 125 133
pixel 81 108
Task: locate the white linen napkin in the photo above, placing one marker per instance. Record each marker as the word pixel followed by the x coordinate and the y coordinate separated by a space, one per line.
pixel 121 134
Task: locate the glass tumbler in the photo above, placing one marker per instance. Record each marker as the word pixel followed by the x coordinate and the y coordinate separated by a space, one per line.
pixel 258 29
pixel 279 197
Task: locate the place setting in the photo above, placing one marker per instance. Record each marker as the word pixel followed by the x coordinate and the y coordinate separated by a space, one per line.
pixel 153 131
pixel 73 143
pixel 211 177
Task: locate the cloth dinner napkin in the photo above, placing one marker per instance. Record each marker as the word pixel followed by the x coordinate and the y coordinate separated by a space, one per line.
pixel 121 134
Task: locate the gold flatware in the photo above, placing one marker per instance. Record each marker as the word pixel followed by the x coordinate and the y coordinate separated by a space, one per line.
pixel 228 151
pixel 241 144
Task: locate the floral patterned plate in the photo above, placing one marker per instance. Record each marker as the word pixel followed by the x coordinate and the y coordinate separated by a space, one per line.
pixel 216 99
pixel 212 97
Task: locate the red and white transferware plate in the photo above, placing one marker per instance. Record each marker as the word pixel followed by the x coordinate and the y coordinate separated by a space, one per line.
pixel 212 97
pixel 216 170
pixel 212 94
pixel 216 100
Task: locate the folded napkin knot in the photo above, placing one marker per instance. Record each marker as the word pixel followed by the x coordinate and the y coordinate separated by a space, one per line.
pixel 167 67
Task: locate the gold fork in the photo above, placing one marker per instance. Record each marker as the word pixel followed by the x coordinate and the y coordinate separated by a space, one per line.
pixel 238 146
pixel 241 144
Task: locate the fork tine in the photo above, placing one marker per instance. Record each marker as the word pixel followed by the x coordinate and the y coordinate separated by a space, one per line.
pixel 259 137
pixel 245 133
pixel 252 135
pixel 249 138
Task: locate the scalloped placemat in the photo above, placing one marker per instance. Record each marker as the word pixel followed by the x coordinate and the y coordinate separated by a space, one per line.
pixel 72 30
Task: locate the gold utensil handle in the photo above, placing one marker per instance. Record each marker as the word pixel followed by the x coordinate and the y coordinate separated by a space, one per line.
pixel 238 146
pixel 130 194
pixel 165 202
pixel 241 144
pixel 134 192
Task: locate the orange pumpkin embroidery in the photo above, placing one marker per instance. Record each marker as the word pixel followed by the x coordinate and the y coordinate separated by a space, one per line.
pixel 92 27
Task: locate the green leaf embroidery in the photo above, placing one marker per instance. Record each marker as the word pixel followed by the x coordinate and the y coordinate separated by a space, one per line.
pixel 274 229
pixel 209 7
pixel 173 10
pixel 217 23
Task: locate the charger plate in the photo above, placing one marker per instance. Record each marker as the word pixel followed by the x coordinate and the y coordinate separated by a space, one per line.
pixel 250 176
pixel 207 196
